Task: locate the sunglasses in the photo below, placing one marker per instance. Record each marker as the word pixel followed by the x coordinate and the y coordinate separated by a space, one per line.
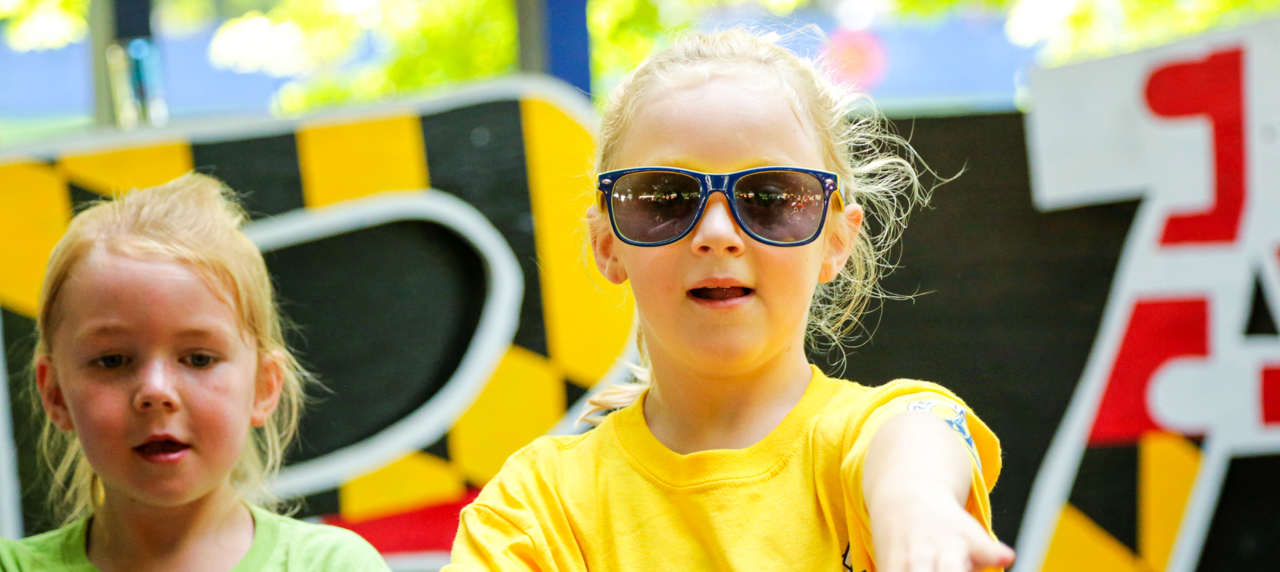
pixel 778 206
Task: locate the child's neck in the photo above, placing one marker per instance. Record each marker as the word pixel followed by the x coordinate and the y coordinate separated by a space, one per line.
pixel 691 411
pixel 212 533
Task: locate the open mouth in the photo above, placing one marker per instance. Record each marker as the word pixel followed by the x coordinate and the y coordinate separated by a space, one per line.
pixel 725 293
pixel 161 448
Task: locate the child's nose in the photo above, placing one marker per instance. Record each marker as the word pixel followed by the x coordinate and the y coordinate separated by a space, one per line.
pixel 157 390
pixel 717 232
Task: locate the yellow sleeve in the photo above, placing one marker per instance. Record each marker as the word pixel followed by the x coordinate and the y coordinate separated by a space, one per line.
pixel 488 541
pixel 904 395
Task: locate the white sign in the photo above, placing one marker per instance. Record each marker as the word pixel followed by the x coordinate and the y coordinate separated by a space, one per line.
pixel 1193 131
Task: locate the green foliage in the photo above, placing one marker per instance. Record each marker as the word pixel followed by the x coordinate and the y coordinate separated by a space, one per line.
pixel 624 32
pixel 427 44
pixel 43 24
pixel 1100 28
pixel 939 8
pixel 431 44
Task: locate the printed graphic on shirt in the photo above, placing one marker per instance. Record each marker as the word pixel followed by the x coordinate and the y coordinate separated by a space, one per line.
pixel 955 416
pixel 848 558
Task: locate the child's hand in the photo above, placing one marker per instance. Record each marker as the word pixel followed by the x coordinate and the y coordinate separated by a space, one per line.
pixel 917 529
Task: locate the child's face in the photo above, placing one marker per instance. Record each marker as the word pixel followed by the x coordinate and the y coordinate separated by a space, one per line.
pixel 717 300
pixel 152 371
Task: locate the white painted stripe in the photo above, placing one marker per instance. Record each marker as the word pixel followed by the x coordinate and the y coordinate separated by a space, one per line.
pixel 417 561
pixel 10 488
pixel 497 326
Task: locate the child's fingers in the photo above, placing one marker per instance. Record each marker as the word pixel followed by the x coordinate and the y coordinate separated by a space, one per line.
pixel 988 553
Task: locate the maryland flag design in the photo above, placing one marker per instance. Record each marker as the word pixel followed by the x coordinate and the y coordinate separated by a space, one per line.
pixel 432 258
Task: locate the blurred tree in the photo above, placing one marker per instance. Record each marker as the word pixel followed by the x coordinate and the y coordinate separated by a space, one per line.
pixel 43 24
pixel 1073 30
pixel 343 51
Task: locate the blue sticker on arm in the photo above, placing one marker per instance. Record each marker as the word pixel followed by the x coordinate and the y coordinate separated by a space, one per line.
pixel 955 417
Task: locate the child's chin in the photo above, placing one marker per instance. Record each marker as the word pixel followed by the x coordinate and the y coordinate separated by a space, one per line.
pixel 727 354
pixel 166 493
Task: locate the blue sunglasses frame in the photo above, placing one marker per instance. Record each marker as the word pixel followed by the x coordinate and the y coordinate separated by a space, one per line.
pixel 723 183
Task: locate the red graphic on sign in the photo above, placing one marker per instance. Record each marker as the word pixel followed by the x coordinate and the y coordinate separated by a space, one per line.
pixel 426 529
pixel 1157 332
pixel 1271 394
pixel 1211 87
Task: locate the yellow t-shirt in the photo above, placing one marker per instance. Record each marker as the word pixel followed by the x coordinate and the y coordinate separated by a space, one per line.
pixel 617 499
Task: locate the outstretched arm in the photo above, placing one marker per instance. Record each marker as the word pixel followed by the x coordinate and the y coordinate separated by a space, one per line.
pixel 916 479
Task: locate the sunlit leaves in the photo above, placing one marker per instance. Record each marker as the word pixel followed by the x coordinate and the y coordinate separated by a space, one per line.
pixel 43 24
pixel 1073 30
pixel 427 45
pixel 414 45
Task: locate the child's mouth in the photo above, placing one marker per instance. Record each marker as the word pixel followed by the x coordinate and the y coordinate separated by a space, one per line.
pixel 162 450
pixel 725 293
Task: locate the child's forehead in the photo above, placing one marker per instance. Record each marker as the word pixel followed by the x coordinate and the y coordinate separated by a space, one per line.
pixel 104 272
pixel 756 80
pixel 726 120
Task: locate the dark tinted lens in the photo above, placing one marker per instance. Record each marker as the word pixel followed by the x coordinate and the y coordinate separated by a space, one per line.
pixel 781 206
pixel 654 206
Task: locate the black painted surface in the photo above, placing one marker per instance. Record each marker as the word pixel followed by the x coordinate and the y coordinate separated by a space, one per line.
pixel 1261 320
pixel 1245 533
pixel 440 448
pixel 477 154
pixel 263 171
pixel 1106 490
pixel 572 393
pixel 324 503
pixel 1014 296
pixel 81 198
pixel 384 316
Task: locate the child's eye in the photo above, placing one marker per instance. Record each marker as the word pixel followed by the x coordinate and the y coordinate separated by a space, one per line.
pixel 201 360
pixel 112 361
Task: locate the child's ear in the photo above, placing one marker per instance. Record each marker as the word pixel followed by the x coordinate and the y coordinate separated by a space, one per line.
pixel 604 245
pixel 266 395
pixel 840 244
pixel 55 403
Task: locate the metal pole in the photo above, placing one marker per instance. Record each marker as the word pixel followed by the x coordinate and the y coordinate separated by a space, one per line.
pixel 10 486
pixel 128 90
pixel 530 20
pixel 102 33
pixel 568 46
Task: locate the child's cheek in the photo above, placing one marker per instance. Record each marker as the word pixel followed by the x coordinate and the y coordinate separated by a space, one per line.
pixel 101 416
pixel 220 414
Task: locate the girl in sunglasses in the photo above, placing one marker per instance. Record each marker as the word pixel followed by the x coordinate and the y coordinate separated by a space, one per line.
pixel 732 194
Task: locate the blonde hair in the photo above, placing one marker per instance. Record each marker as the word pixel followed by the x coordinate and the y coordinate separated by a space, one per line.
pixel 193 220
pixel 876 170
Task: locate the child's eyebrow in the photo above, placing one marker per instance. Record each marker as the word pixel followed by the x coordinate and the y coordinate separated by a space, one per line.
pixel 102 330
pixel 205 331
pixel 200 330
pixel 680 162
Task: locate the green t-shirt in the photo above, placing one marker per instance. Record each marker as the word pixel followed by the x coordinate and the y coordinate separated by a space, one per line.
pixel 280 544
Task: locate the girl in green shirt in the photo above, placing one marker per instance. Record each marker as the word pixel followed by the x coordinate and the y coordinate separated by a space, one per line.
pixel 170 396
